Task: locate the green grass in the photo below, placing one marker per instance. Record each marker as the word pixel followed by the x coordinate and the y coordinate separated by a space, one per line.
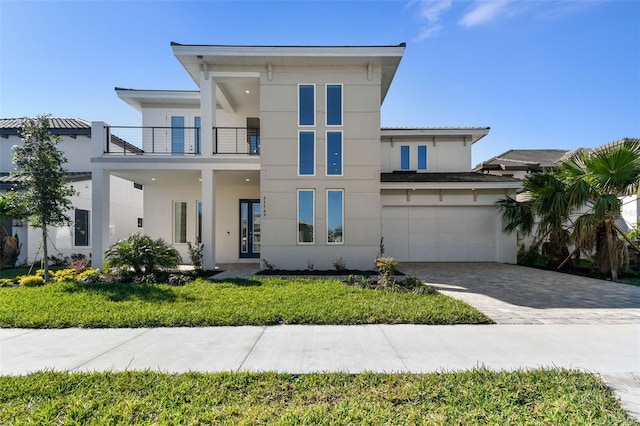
pixel 240 302
pixel 545 397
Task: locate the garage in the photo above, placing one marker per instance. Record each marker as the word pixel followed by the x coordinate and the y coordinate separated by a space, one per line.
pixel 441 233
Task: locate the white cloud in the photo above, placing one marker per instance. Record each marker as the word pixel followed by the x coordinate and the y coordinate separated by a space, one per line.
pixel 483 12
pixel 431 11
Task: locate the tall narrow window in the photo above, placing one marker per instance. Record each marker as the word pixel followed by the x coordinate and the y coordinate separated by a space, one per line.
pixel 306 153
pixel 199 221
pixel 405 163
pixel 334 104
pixel 422 157
pixel 335 216
pixel 334 153
pixel 306 105
pixel 306 216
pixel 81 228
pixel 179 222
pixel 196 135
pixel 177 134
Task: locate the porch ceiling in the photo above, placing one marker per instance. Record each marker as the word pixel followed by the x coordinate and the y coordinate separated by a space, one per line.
pixel 188 177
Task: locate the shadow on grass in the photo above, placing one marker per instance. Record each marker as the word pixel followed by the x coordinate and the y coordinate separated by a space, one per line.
pixel 130 292
pixel 240 282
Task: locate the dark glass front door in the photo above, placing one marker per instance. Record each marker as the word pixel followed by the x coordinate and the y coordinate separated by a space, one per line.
pixel 250 228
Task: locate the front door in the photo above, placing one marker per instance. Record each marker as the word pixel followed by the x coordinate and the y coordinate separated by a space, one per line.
pixel 249 228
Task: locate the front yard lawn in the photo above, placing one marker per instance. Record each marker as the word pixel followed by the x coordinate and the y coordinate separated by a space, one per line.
pixel 545 397
pixel 235 302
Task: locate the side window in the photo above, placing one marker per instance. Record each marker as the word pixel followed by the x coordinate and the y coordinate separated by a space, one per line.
pixel 306 105
pixel 335 216
pixel 405 161
pixel 306 214
pixel 422 157
pixel 334 105
pixel 334 153
pixel 81 228
pixel 179 222
pixel 306 153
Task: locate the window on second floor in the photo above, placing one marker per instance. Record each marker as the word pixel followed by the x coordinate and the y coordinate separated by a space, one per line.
pixel 405 158
pixel 422 157
pixel 334 105
pixel 306 105
pixel 306 153
pixel 334 153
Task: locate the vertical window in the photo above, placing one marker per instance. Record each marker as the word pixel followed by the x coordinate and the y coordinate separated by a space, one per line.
pixel 306 105
pixel 196 136
pixel 199 222
pixel 306 216
pixel 81 228
pixel 177 134
pixel 306 153
pixel 179 222
pixel 139 222
pixel 405 163
pixel 334 153
pixel 422 157
pixel 334 105
pixel 335 216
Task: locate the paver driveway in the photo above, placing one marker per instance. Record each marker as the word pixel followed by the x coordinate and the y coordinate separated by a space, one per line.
pixel 511 294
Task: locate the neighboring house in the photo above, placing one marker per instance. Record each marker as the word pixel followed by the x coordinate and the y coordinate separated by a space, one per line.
pixel 125 198
pixel 519 163
pixel 280 156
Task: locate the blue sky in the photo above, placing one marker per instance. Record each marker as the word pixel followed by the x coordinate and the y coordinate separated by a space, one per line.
pixel 541 74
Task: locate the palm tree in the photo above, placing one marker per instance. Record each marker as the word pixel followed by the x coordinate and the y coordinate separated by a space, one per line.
pixel 544 213
pixel 595 180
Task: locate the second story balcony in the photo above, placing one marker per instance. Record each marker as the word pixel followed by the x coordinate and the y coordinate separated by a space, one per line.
pixel 179 141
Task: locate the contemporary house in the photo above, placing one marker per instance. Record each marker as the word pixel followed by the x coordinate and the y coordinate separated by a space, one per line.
pixel 125 199
pixel 280 158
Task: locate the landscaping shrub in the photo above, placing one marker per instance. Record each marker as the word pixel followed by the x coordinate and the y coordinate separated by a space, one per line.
pixel 31 281
pixel 142 253
pixel 68 274
pixel 6 282
pixel 89 276
pixel 195 254
pixel 386 268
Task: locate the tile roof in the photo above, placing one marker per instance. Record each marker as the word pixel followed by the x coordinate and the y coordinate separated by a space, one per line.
pixel 55 122
pixel 524 159
pixel 443 177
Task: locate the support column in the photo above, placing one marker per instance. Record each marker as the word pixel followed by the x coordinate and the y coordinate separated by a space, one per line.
pixel 208 219
pixel 100 202
pixel 207 111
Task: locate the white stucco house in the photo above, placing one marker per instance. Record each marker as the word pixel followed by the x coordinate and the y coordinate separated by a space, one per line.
pixel 280 157
pixel 125 199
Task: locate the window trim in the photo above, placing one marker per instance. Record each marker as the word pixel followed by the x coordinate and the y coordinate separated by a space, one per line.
pixel 75 228
pixel 314 105
pixel 173 222
pixel 313 152
pixel 326 105
pixel 326 153
pixel 403 149
pixel 313 216
pixel 341 191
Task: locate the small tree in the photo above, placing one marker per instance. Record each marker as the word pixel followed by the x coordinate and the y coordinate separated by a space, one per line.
pixel 9 246
pixel 39 165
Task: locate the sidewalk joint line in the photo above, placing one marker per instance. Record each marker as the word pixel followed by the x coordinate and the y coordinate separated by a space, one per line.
pixel 264 328
pixel 394 348
pixel 110 349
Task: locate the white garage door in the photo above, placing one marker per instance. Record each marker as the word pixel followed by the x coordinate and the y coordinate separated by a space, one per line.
pixel 440 234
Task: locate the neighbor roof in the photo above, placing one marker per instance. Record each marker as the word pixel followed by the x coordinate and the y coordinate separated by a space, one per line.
pixel 524 159
pixel 7 181
pixel 447 177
